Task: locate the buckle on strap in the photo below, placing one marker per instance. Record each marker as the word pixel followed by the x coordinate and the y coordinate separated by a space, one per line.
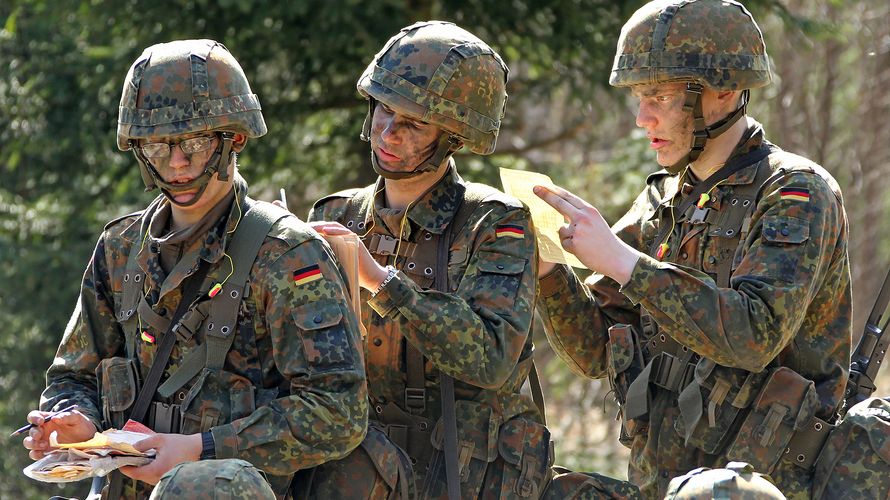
pixel 165 418
pixel 382 244
pixel 415 399
pixel 672 372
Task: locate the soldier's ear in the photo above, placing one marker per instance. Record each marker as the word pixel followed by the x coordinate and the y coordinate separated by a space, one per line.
pixel 238 142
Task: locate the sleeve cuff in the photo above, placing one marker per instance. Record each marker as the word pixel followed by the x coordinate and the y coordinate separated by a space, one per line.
pixel 392 295
pixel 225 441
pixel 637 287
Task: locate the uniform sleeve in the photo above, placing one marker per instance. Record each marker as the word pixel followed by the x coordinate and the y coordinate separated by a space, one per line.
pixel 477 333
pixel 317 347
pixel 92 334
pixel 577 315
pixel 795 249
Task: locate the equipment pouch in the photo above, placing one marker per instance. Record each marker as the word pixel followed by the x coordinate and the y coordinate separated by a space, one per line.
pixel 526 448
pixel 477 447
pixel 786 403
pixel 856 457
pixel 625 364
pixel 391 462
pixel 711 403
pixel 119 383
pixel 217 397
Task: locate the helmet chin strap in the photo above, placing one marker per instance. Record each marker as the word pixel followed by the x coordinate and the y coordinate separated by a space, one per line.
pixel 214 165
pixel 445 147
pixel 700 131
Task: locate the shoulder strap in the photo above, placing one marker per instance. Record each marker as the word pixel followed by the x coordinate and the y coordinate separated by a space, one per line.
pixel 219 327
pixel 446 382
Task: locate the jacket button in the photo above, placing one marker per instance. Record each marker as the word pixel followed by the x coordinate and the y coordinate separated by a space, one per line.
pixel 500 267
pixel 712 260
pixel 785 231
pixel 684 255
pixel 378 342
pixel 316 319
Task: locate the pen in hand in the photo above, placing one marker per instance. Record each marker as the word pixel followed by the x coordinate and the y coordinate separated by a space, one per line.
pixel 46 419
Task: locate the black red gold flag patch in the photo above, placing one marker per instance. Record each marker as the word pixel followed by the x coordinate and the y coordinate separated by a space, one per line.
pixel 795 194
pixel 307 274
pixel 510 231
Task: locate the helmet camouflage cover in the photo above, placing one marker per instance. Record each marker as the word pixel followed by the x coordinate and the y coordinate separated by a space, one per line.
pixel 715 43
pixel 186 86
pixel 737 481
pixel 439 73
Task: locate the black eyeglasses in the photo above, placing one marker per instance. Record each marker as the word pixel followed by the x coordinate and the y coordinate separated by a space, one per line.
pixel 189 146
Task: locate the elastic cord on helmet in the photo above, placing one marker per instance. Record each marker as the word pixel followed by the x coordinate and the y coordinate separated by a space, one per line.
pixel 153 179
pixel 447 144
pixel 700 131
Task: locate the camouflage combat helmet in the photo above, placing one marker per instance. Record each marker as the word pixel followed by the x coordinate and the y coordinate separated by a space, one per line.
pixel 439 73
pixel 210 479
pixel 182 87
pixel 737 481
pixel 706 43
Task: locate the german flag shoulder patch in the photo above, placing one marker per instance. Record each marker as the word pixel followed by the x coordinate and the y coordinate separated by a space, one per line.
pixel 795 194
pixel 510 231
pixel 307 274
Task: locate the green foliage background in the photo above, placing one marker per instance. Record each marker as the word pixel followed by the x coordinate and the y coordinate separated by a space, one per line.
pixel 62 64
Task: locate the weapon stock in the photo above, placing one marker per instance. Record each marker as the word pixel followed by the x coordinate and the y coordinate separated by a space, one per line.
pixel 870 351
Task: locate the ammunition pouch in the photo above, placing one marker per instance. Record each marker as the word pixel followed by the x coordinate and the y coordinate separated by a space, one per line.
pixel 119 382
pixel 624 366
pixel 522 443
pixel 785 405
pixel 711 403
pixel 527 450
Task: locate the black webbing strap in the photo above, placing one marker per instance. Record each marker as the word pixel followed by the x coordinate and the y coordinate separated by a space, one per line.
pixel 731 167
pixel 446 383
pixel 190 294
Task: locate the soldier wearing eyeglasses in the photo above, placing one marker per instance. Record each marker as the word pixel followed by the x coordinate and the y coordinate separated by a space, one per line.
pixel 286 391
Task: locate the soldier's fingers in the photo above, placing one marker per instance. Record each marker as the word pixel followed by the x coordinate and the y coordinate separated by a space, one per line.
pixel 148 443
pixel 36 455
pixel 329 228
pixel 36 417
pixel 573 199
pixel 556 201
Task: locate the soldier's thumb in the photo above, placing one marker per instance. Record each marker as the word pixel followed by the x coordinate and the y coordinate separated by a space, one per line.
pixel 148 443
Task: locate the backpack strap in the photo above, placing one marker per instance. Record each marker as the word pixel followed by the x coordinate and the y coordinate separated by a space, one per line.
pixel 219 325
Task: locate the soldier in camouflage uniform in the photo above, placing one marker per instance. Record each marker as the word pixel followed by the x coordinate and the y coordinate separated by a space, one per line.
pixel 280 384
pixel 448 269
pixel 720 304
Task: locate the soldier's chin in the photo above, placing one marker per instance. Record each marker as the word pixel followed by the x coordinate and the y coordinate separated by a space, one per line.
pixel 183 197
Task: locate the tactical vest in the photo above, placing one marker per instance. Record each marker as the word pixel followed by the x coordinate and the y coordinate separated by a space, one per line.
pixel 425 259
pixel 199 393
pixel 712 398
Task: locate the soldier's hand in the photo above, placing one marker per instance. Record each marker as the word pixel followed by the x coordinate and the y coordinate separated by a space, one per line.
pixel 370 273
pixel 172 450
pixel 588 236
pixel 70 426
pixel 544 267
